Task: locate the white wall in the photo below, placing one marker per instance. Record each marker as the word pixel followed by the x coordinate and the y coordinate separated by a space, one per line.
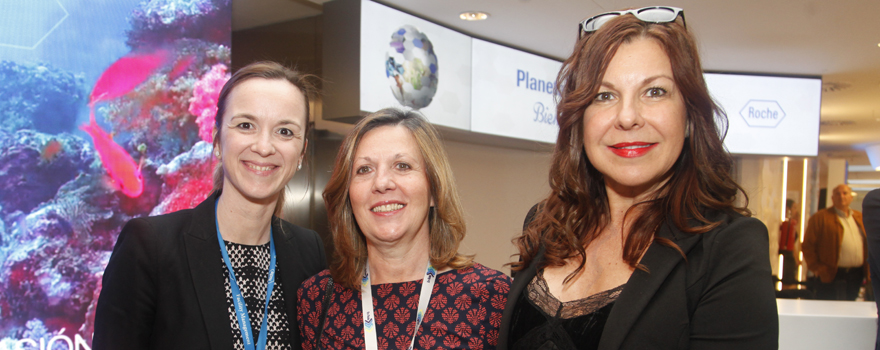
pixel 761 178
pixel 497 187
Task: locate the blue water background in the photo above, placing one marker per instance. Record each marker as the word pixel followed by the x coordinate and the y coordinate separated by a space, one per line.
pixel 85 43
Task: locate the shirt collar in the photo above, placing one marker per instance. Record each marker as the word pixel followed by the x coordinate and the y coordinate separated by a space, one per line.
pixel 843 214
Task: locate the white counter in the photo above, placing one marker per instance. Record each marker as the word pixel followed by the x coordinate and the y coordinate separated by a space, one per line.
pixel 822 324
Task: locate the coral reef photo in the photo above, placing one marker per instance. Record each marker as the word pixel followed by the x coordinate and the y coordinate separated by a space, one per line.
pixel 106 114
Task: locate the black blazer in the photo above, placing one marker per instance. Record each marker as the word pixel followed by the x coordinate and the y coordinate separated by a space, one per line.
pixel 721 297
pixel 163 287
pixel 871 220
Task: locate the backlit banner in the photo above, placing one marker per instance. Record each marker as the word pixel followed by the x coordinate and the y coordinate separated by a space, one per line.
pixel 513 93
pixel 406 61
pixel 769 115
pixel 106 111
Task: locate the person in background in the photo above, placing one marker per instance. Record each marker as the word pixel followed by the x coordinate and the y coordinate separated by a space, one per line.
pixel 788 239
pixel 224 274
pixel 640 244
pixel 397 280
pixel 835 248
pixel 871 210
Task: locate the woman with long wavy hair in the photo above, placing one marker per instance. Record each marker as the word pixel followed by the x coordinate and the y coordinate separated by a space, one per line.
pixel 641 243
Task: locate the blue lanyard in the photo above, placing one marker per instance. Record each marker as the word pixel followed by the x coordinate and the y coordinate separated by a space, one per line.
pixel 244 321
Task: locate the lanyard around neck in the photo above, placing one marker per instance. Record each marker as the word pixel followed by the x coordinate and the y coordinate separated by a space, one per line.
pixel 370 340
pixel 244 321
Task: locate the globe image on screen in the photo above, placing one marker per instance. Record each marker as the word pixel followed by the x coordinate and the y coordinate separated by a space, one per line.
pixel 411 67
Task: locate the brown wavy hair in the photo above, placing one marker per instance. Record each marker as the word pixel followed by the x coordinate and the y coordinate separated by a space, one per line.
pixel 264 70
pixel 577 210
pixel 446 218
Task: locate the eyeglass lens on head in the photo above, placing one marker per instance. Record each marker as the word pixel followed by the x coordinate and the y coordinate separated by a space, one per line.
pixel 654 14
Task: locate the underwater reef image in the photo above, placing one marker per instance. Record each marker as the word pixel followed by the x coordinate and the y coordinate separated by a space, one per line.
pixel 95 131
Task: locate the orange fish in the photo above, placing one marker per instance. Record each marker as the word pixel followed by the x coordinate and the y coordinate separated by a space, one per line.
pixel 117 80
pixel 124 172
pixel 51 150
pixel 126 74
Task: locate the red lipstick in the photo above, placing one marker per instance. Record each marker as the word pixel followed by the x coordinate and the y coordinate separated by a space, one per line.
pixel 632 149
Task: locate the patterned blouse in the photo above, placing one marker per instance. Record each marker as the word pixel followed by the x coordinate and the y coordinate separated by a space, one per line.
pixel 464 312
pixel 251 266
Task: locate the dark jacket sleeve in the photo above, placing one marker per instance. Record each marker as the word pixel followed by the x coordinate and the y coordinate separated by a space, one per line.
pixel 737 308
pixel 871 220
pixel 810 247
pixel 127 304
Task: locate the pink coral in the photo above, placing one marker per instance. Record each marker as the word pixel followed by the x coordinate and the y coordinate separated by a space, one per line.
pixel 203 104
pixel 192 187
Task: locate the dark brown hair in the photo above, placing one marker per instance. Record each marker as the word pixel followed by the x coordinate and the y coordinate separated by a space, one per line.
pixel 446 218
pixel 264 70
pixel 577 209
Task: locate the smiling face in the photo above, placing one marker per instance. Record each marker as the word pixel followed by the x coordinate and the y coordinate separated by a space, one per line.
pixel 262 138
pixel 389 191
pixel 634 129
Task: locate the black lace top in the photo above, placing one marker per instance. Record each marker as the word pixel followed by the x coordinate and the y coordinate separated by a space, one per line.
pixel 542 322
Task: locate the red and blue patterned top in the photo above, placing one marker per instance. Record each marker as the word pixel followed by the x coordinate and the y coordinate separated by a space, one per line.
pixel 464 312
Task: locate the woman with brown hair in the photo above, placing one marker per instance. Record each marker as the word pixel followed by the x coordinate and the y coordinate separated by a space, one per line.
pixel 640 243
pixel 222 275
pixel 398 280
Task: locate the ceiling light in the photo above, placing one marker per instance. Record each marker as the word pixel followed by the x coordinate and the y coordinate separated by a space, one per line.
pixel 477 16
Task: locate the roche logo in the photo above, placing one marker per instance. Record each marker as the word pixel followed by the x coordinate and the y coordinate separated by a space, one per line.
pixel 762 113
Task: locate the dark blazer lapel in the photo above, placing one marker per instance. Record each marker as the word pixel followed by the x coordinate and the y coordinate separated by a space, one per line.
pixel 641 286
pixel 520 281
pixel 290 268
pixel 203 255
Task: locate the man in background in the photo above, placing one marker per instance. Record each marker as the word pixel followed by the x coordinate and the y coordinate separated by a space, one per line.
pixel 835 248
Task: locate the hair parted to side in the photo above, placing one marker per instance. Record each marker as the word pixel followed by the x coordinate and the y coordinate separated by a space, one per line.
pixel 263 70
pixel 577 209
pixel 446 218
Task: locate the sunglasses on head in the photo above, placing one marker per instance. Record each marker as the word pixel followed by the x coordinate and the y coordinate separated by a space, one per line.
pixel 650 14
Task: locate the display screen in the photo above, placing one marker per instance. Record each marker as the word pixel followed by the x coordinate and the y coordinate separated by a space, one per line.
pixel 769 115
pixel 106 115
pixel 513 93
pixel 409 62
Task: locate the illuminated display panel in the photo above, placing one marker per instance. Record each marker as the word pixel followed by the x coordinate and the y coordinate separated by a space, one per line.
pixel 769 115
pixel 406 61
pixel 149 73
pixel 513 93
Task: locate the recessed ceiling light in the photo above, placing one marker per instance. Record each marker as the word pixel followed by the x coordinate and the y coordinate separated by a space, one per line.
pixel 476 16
